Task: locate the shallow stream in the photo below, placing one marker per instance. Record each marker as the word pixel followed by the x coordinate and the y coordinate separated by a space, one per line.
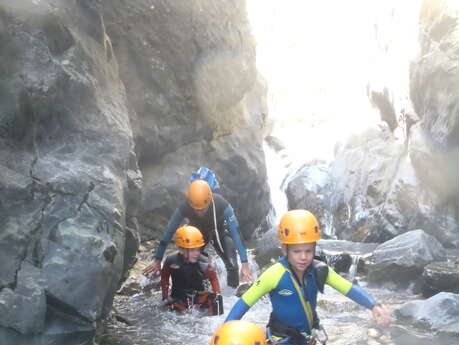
pixel 345 321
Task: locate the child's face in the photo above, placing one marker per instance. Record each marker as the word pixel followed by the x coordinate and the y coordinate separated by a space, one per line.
pixel 300 256
pixel 192 254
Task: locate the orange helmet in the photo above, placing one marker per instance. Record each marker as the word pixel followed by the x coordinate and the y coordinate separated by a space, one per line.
pixel 238 332
pixel 199 195
pixel 298 226
pixel 189 237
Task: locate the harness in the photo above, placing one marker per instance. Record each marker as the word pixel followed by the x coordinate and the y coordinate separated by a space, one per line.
pixel 217 236
pixel 306 306
pixel 207 301
pixel 294 336
pixel 280 333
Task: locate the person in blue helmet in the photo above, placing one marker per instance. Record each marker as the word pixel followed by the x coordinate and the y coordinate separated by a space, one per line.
pixel 214 217
pixel 294 281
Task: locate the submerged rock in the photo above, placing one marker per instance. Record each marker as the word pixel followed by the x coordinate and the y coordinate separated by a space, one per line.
pixel 439 313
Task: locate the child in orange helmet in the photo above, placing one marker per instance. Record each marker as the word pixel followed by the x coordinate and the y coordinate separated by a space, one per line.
pixel 294 281
pixel 188 270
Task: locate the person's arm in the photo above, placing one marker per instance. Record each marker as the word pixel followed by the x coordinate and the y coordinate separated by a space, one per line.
pixel 151 270
pixel 172 226
pixel 265 283
pixel 233 225
pixel 213 278
pixel 165 274
pixel 358 295
pixel 350 290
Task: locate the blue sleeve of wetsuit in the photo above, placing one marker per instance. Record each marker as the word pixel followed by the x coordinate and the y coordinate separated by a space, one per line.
pixel 350 290
pixel 233 228
pixel 238 310
pixel 358 295
pixel 172 226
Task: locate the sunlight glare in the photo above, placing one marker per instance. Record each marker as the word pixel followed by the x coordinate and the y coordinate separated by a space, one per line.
pixel 319 57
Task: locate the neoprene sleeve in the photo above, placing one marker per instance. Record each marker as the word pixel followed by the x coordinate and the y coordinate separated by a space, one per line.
pixel 233 229
pixel 172 226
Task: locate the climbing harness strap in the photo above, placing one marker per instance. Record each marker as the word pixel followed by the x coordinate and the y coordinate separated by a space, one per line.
pixel 306 306
pixel 217 236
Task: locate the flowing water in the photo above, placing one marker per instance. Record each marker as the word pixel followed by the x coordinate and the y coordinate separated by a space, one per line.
pixel 344 321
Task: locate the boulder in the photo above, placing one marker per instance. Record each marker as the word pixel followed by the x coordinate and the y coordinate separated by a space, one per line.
pixel 439 313
pixel 440 276
pixel 401 260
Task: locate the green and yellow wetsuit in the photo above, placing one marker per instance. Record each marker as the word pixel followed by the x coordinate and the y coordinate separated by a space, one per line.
pixel 284 290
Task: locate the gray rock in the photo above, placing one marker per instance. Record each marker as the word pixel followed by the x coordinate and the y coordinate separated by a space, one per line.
pixel 439 313
pixel 402 259
pixel 309 189
pixel 66 147
pixel 24 308
pixel 440 276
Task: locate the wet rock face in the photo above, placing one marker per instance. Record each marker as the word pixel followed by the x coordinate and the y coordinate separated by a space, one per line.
pixel 434 77
pixel 401 260
pixel 67 170
pixel 372 191
pixel 70 182
pixel 440 276
pixel 194 99
pixel 382 184
pixel 309 189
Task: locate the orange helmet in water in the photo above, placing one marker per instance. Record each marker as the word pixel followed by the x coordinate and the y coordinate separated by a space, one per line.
pixel 199 195
pixel 189 237
pixel 297 227
pixel 239 332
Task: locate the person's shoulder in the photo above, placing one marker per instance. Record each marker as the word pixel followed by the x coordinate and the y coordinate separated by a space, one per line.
pixel 221 204
pixel 320 264
pixel 204 258
pixel 275 270
pixel 219 198
pixel 205 263
pixel 172 258
pixel 270 278
pixel 321 270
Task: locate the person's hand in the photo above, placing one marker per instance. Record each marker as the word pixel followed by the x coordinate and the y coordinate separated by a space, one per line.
pixel 246 275
pixel 381 315
pixel 153 269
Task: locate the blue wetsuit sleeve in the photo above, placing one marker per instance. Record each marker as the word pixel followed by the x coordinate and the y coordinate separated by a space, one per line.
pixel 238 310
pixel 350 290
pixel 233 228
pixel 172 226
pixel 358 295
